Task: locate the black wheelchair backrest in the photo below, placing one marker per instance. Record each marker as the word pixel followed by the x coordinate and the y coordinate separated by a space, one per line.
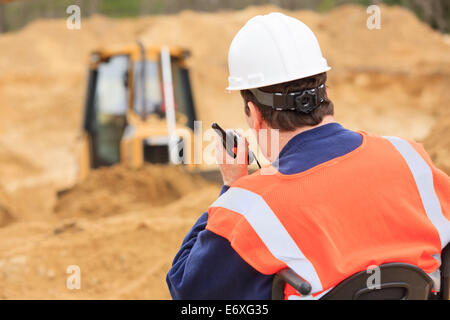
pixel 397 281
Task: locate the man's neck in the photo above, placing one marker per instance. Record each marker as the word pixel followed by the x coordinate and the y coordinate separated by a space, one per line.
pixel 288 135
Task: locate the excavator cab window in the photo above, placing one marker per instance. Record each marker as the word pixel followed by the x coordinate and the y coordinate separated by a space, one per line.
pixel 153 94
pixel 106 109
pixel 183 93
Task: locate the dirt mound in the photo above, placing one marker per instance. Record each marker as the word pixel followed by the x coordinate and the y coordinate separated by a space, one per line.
pixel 402 45
pixel 123 256
pixel 117 189
pixel 14 166
pixel 123 229
pixel 114 190
pixel 438 144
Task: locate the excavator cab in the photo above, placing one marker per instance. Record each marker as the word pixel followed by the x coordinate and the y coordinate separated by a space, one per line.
pixel 139 108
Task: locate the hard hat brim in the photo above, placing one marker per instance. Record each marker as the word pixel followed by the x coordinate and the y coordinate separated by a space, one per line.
pixel 276 81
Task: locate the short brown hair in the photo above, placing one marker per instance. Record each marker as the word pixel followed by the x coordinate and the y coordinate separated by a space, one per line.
pixel 289 120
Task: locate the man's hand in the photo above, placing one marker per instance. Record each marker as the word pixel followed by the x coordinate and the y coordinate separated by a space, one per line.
pixel 232 169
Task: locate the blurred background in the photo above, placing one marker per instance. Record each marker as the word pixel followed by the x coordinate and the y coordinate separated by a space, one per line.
pixel 436 13
pixel 122 221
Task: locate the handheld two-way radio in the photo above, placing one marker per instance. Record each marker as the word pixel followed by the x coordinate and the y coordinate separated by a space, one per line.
pixel 230 143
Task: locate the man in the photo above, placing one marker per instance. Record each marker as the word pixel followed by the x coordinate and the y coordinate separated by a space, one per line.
pixel 336 202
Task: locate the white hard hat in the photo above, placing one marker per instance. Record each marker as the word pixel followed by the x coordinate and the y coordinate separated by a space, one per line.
pixel 273 49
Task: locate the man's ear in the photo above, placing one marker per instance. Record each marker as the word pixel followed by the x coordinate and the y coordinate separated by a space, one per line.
pixel 257 121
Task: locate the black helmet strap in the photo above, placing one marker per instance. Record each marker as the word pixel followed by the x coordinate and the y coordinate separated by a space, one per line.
pixel 303 101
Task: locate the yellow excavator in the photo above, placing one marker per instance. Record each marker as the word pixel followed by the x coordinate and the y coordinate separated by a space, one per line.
pixel 139 108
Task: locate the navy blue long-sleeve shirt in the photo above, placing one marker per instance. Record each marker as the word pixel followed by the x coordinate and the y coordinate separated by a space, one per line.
pixel 207 267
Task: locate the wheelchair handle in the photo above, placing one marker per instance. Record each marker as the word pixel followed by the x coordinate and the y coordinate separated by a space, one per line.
pixel 297 282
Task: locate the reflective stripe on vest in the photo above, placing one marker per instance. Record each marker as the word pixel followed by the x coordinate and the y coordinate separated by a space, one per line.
pixel 270 230
pixel 424 180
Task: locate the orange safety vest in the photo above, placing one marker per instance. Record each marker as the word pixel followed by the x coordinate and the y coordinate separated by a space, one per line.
pixel 383 202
